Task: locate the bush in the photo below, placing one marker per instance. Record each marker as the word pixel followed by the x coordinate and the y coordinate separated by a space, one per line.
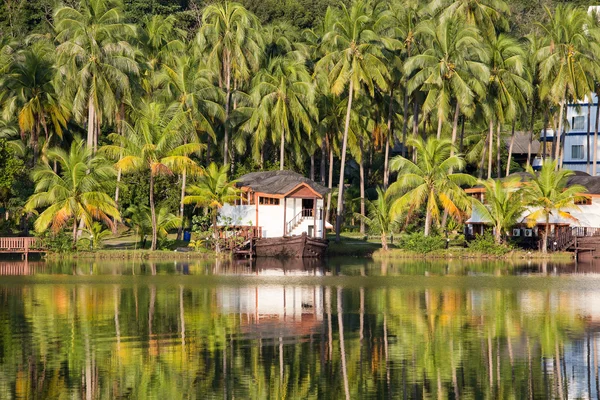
pixel 486 244
pixel 419 243
pixel 62 242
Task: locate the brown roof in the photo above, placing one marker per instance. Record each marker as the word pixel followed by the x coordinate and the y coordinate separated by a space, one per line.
pixel 521 143
pixel 278 182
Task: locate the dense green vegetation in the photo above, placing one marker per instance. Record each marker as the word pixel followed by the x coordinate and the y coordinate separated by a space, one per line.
pixel 161 89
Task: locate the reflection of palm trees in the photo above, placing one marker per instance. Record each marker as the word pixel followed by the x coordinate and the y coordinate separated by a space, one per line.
pixel 340 311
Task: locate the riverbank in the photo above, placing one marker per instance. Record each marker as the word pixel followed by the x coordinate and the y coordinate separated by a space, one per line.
pixel 113 254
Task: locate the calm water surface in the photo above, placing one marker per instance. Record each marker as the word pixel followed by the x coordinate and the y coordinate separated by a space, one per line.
pixel 343 329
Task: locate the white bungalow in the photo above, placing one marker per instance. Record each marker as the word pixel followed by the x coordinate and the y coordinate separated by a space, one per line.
pixel 279 203
pixel 586 213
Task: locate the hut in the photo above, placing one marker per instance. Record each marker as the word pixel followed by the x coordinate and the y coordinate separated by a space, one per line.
pixel 281 204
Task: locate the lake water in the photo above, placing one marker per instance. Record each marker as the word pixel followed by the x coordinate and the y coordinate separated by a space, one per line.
pixel 340 329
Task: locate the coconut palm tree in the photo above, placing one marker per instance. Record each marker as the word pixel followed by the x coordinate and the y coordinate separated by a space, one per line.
pixel 567 68
pixel 154 142
pixel 95 60
pixel 451 68
pixel 547 194
pixel 507 89
pixel 230 38
pixel 352 59
pixel 74 194
pixel 190 85
pixel 430 181
pixel 284 98
pixel 213 189
pixel 28 91
pixel 503 204
pixel 487 15
pixel 380 219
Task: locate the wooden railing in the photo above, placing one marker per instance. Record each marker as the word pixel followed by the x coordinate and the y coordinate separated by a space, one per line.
pixel 19 244
pixel 560 241
pixel 584 231
pixel 232 236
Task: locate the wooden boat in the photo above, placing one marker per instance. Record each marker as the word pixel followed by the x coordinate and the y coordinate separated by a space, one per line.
pixel 291 247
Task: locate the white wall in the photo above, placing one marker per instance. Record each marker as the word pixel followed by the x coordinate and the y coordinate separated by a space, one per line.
pixel 577 136
pixel 270 217
pixel 586 216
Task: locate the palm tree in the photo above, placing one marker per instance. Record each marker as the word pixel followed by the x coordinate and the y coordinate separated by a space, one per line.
pixel 191 86
pixel 450 68
pixel 567 69
pixel 430 181
pixel 284 96
pixel 213 189
pixel 547 194
pixel 486 15
pixel 380 219
pixel 29 92
pixel 141 220
pixel 503 204
pixel 507 89
pixel 154 142
pixel 96 236
pixel 76 193
pixel 353 58
pixel 95 59
pixel 231 40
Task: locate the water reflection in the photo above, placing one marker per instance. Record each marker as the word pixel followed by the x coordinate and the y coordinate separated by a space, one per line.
pixel 274 339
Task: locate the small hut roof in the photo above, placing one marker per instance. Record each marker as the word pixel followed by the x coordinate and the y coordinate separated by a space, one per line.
pixel 278 182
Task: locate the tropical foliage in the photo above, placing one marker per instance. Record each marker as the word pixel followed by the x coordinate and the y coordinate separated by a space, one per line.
pixel 163 90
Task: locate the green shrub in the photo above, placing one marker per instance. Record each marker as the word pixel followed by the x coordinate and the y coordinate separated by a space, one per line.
pixel 62 242
pixel 419 243
pixel 486 244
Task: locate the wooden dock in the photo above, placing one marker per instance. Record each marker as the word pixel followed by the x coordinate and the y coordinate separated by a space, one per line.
pixel 21 245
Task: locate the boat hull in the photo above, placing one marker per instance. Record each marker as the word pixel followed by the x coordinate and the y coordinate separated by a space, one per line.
pixel 291 247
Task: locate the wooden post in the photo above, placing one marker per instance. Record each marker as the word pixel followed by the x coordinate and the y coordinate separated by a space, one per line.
pixel 284 216
pixel 315 217
pixel 256 201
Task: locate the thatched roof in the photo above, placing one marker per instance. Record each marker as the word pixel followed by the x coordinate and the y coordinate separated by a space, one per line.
pixel 278 182
pixel 521 144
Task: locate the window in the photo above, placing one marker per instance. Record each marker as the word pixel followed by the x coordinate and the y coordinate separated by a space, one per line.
pixel 578 123
pixel 268 201
pixel 584 201
pixel 577 152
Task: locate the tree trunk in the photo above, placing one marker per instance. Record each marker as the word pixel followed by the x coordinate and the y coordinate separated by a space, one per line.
pixel 91 123
pixel 415 125
pixel 216 231
pixel 327 212
pixel 386 157
pixel 483 154
pixel 530 135
pixel 545 236
pixel 339 216
pixel 589 127
pixel 323 163
pixel 361 171
pixel 490 149
pixel 439 128
pixel 462 135
pixel 455 127
pixel 153 214
pixel 595 166
pixel 312 167
pixel 558 135
pixel 384 244
pixel 181 205
pixel 498 235
pixel 498 155
pixel 427 221
pixel 510 148
pixel 227 105
pixel 282 150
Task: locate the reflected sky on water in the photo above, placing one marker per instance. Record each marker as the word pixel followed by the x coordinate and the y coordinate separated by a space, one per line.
pixel 344 328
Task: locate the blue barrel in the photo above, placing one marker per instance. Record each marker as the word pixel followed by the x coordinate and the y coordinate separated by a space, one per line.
pixel 187 236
